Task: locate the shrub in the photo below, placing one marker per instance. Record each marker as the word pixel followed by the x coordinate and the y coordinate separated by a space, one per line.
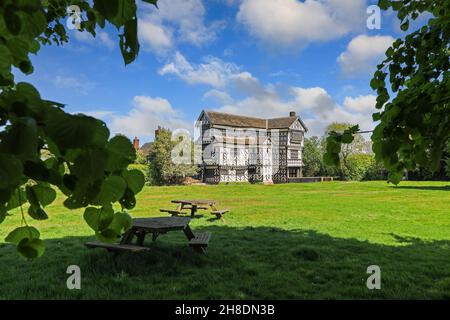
pixel 358 165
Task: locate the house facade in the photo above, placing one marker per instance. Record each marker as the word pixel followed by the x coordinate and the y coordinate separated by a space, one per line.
pixel 238 148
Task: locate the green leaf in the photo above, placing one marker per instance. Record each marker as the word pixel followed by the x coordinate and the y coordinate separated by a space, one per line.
pixel 76 131
pixel 90 165
pixel 135 180
pixel 21 233
pixel 384 4
pixel 121 223
pixel 20 139
pixel 405 25
pixel 129 44
pixel 44 194
pixel 18 47
pixel 12 20
pixel 37 213
pixel 113 188
pixel 5 60
pixel 17 199
pixel 128 201
pixel 99 218
pixel 121 153
pixel 11 170
pixel 31 248
pixel 153 2
pixel 107 235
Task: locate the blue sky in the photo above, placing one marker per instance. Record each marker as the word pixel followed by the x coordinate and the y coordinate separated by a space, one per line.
pixel 253 57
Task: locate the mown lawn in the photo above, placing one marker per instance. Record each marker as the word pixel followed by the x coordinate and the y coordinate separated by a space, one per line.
pixel 296 241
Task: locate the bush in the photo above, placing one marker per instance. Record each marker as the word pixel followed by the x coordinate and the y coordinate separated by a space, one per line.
pixel 362 166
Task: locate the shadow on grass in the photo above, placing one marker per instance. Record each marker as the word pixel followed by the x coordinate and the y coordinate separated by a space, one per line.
pixel 242 263
pixel 431 188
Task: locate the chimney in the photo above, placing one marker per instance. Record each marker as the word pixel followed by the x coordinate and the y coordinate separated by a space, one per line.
pixel 292 114
pixel 136 143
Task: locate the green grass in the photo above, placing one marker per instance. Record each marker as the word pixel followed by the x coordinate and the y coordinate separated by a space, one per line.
pixel 282 241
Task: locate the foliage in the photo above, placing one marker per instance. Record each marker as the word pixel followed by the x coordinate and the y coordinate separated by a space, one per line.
pixel 312 157
pixel 313 152
pixel 414 127
pixel 81 160
pixel 140 158
pixel 362 166
pixel 162 170
pixel 353 143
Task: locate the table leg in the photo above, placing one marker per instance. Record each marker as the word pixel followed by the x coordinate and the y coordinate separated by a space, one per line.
pixel 128 236
pixel 193 210
pixel 188 232
pixel 141 237
pixel 155 236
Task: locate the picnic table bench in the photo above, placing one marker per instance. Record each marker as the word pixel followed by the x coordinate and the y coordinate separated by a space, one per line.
pixel 193 206
pixel 156 226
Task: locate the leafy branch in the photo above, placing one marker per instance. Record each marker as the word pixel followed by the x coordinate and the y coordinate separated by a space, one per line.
pixel 82 161
pixel 414 124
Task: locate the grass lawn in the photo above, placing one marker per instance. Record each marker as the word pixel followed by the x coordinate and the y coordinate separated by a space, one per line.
pixel 292 241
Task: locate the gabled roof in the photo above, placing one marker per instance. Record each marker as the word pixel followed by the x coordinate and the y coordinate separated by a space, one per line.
pixel 227 119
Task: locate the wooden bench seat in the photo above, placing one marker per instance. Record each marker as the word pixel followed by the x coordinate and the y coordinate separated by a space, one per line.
pixel 115 247
pixel 200 242
pixel 173 212
pixel 219 213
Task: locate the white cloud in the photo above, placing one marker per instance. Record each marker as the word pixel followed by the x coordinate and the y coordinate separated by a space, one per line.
pixel 361 103
pixel 176 21
pixel 146 115
pixel 292 22
pixel 101 38
pixel 218 95
pixel 81 85
pixel 239 92
pixel 105 39
pixel 157 38
pixel 315 106
pixel 363 53
pixel 213 71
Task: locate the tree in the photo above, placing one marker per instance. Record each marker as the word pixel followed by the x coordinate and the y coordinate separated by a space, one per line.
pixel 356 146
pixel 162 169
pixel 81 160
pixel 414 127
pixel 312 157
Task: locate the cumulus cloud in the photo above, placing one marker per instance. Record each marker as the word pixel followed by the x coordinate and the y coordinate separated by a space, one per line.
pixel 175 21
pixel 146 115
pixel 213 71
pixel 361 103
pixel 218 95
pixel 239 92
pixel 363 53
pixel 315 105
pixel 293 22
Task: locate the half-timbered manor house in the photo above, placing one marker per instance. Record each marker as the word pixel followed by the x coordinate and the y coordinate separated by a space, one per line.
pixel 239 148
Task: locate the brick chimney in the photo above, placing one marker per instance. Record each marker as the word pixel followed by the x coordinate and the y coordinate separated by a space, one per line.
pixel 136 143
pixel 292 114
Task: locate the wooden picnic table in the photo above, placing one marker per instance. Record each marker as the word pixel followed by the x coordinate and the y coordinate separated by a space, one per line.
pixel 156 226
pixel 194 205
